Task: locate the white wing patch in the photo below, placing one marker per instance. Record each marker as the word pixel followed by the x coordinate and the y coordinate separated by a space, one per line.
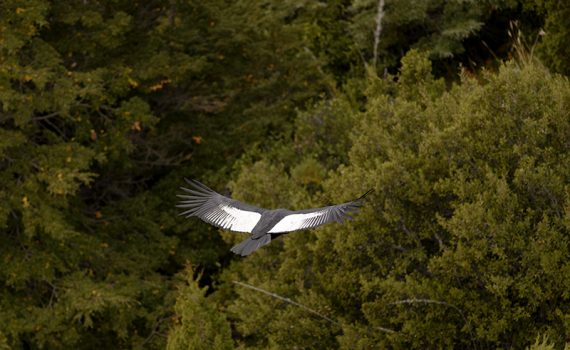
pixel 231 218
pixel 295 222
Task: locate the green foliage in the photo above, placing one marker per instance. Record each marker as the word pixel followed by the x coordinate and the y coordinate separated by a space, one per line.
pixel 438 27
pixel 543 344
pixel 553 46
pixel 198 324
pixel 464 243
pixel 98 103
pixel 106 106
pixel 3 342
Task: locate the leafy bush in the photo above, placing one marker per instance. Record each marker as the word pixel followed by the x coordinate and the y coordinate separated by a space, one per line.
pixel 465 242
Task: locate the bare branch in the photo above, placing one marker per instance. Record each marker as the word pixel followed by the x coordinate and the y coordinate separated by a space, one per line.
pixel 439 241
pixel 154 329
pixel 378 31
pixel 47 116
pixel 289 301
pixel 53 293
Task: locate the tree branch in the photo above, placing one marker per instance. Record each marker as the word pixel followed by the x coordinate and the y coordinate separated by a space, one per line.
pixel 378 31
pixel 287 300
pixel 314 312
pixel 47 116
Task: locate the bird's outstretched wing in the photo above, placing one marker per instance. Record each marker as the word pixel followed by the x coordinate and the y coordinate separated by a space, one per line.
pixel 215 209
pixel 309 218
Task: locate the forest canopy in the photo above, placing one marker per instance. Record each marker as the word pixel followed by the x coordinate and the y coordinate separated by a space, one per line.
pixel 456 113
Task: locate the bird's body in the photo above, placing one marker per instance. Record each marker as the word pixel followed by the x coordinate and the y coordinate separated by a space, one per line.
pixel 267 221
pixel 263 224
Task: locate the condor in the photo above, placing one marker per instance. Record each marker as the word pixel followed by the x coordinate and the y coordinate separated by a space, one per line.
pixel 263 224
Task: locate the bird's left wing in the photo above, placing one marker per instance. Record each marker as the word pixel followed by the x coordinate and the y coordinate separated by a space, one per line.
pixel 218 210
pixel 309 218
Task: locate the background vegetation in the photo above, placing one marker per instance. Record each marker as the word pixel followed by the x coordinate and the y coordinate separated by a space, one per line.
pixel 456 112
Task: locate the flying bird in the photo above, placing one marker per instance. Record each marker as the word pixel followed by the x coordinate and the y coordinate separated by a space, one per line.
pixel 263 224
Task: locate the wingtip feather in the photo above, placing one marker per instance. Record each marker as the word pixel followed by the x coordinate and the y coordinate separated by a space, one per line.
pixel 195 183
pixel 200 185
pixel 186 213
pixel 366 194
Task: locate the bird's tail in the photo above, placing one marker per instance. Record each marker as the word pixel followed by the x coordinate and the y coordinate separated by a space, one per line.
pixel 250 245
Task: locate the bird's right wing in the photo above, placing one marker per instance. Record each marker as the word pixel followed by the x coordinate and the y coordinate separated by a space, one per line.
pixel 218 210
pixel 309 218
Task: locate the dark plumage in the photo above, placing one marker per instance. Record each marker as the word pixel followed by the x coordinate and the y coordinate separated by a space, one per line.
pixel 263 224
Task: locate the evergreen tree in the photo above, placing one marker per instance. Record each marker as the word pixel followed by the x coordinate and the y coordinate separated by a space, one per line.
pixel 106 106
pixel 552 48
pixel 99 101
pixel 198 324
pixel 464 244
